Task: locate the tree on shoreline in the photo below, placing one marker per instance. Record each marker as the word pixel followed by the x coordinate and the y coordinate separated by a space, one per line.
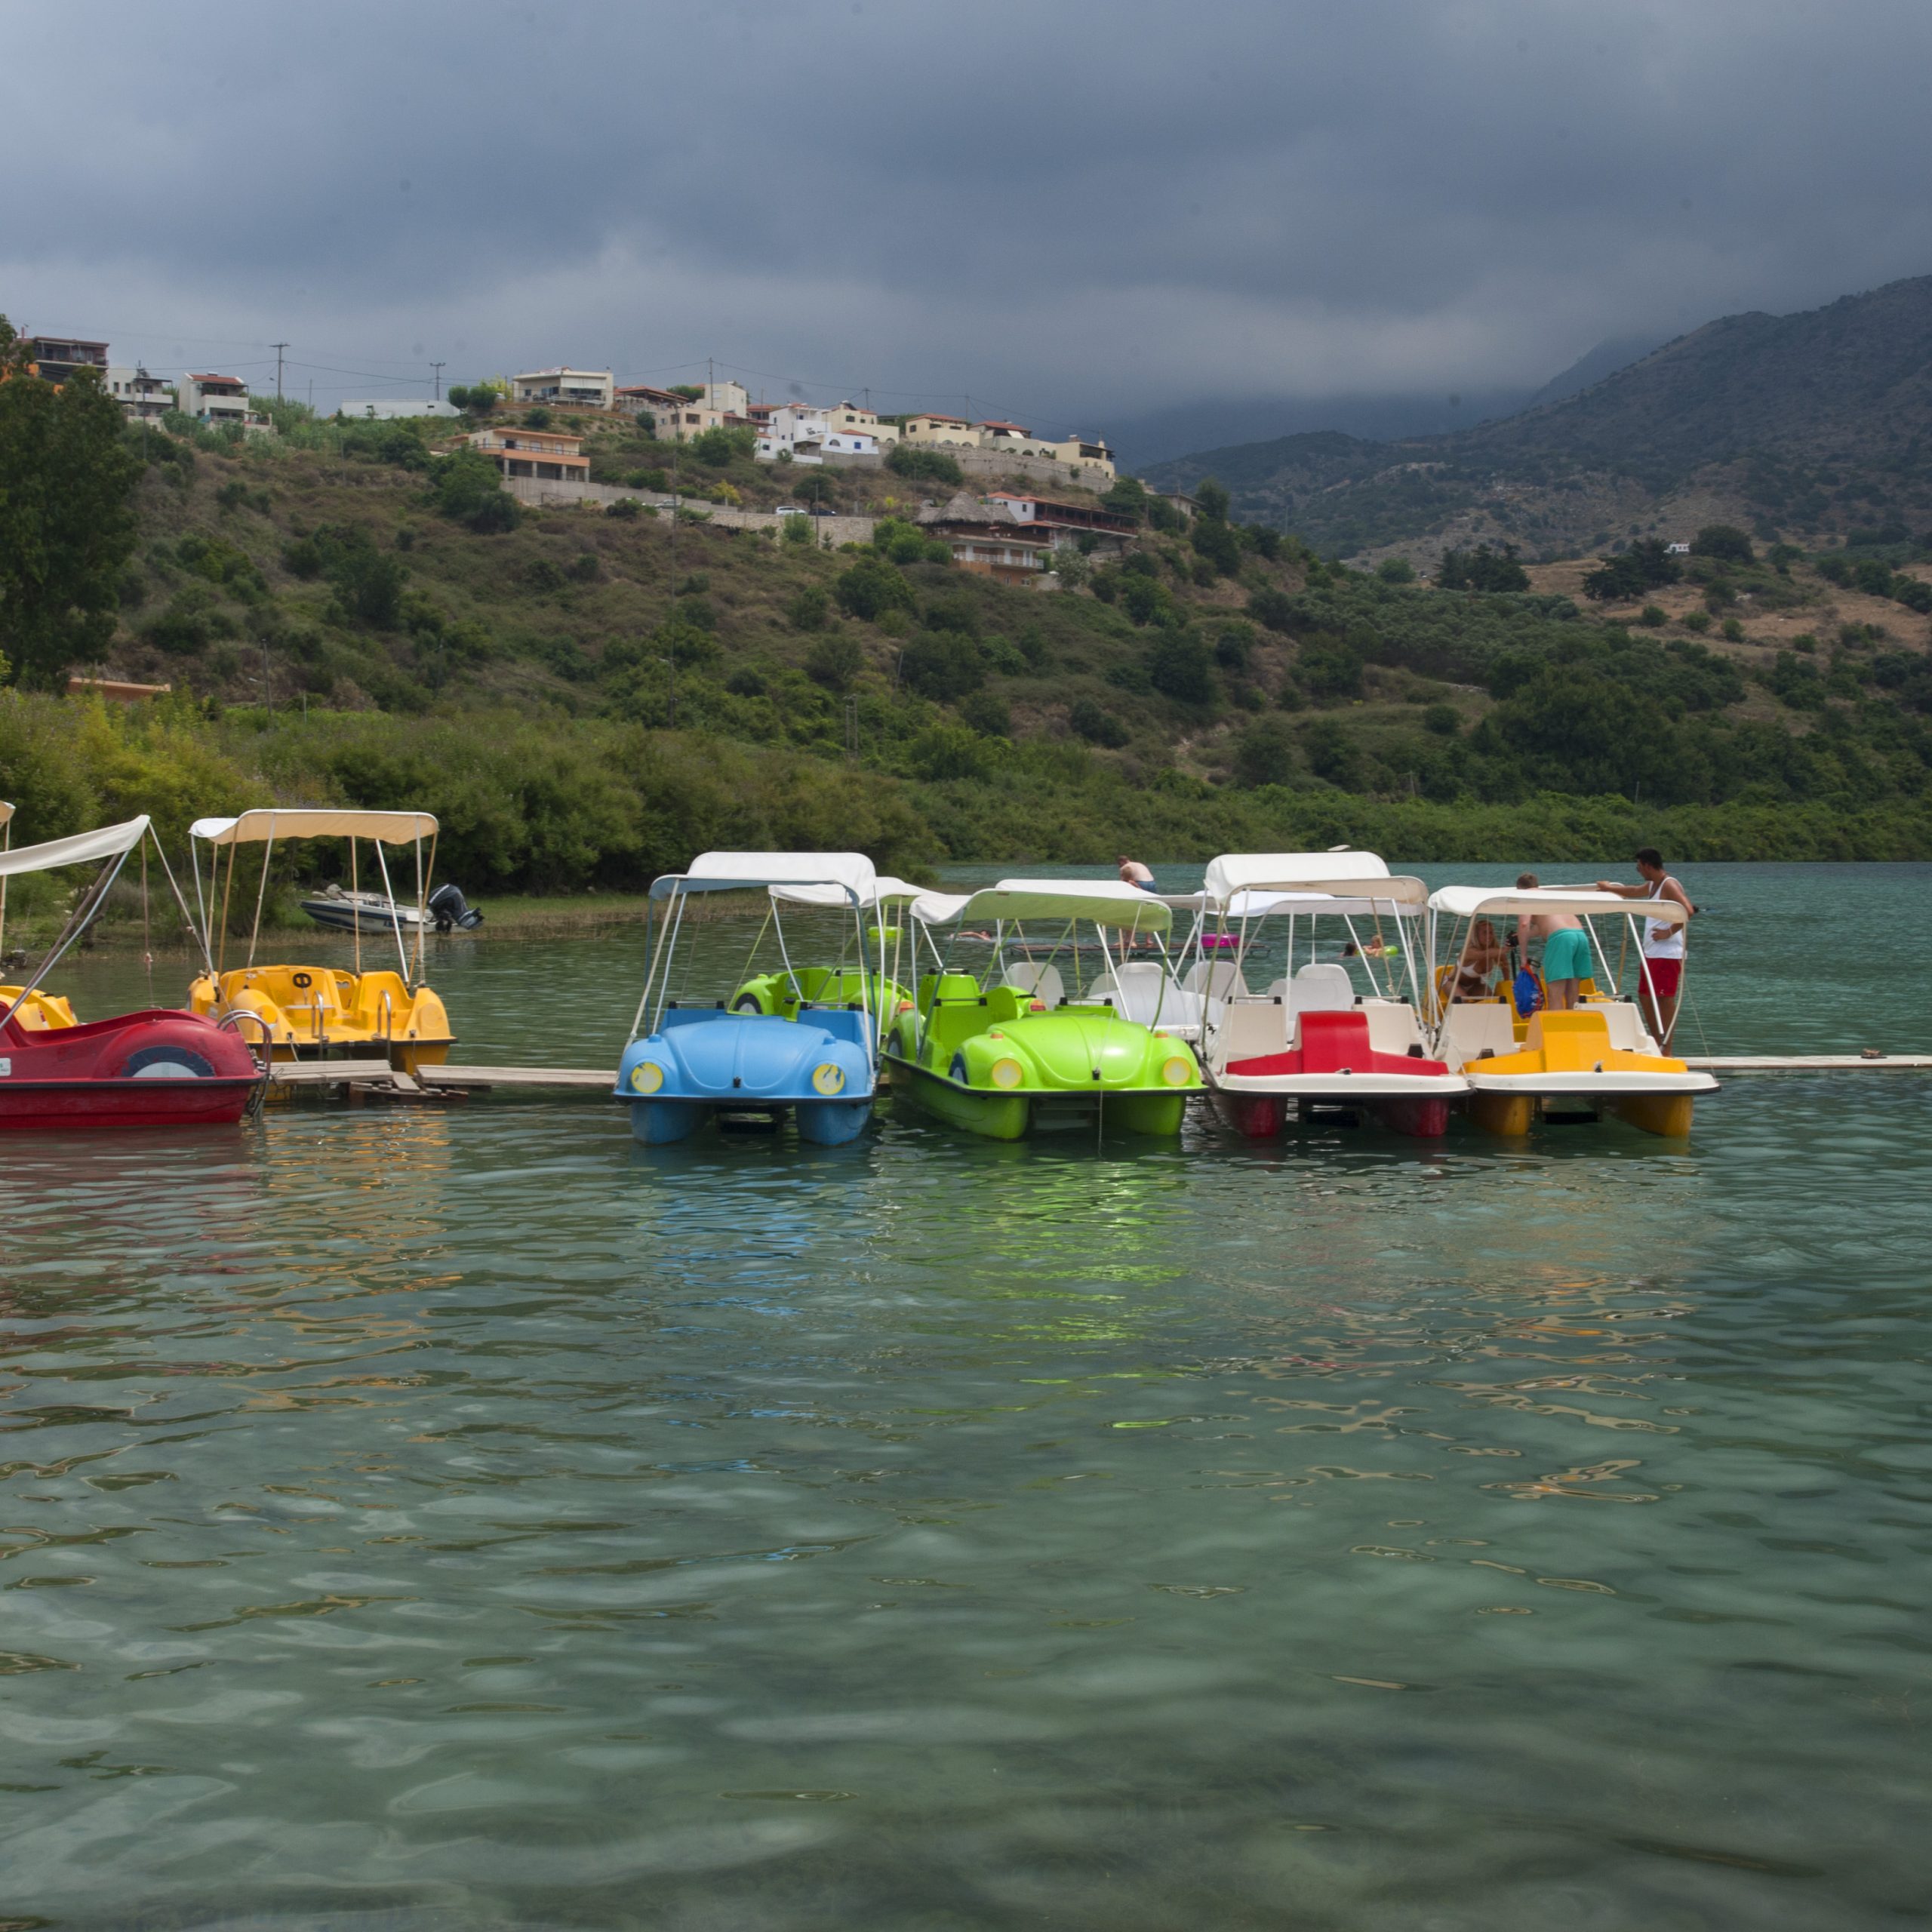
pixel 67 479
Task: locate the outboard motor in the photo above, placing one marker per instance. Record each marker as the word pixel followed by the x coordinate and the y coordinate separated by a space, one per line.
pixel 450 910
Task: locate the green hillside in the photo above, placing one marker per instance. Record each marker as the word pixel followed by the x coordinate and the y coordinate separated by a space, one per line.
pixel 351 617
pixel 1806 426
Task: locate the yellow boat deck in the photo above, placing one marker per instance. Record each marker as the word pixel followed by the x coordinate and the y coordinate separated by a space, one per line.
pixel 300 1011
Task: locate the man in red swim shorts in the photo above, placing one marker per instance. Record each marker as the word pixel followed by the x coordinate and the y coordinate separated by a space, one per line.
pixel 1663 942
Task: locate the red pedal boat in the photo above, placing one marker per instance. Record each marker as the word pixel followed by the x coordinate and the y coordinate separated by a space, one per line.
pixel 154 1068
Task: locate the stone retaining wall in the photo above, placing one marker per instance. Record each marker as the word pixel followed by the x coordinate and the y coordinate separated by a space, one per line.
pixel 534 494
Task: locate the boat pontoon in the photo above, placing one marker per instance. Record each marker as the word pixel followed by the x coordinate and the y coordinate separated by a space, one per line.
pixel 1010 1052
pixel 1310 1042
pixel 815 1059
pixel 311 1011
pixel 155 1068
pixel 1598 1057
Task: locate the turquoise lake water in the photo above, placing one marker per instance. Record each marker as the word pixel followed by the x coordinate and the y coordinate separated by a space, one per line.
pixel 468 1517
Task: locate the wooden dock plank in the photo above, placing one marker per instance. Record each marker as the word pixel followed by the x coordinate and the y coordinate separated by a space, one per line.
pixel 1810 1063
pixel 326 1072
pixel 585 1078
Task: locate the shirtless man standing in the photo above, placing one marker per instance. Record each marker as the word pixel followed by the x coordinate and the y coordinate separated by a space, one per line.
pixel 1663 941
pixel 1566 949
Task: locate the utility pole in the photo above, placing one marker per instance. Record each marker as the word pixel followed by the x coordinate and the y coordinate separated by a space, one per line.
pixel 710 384
pixel 278 347
pixel 439 367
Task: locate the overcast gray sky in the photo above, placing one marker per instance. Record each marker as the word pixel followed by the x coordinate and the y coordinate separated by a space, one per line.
pixel 1071 211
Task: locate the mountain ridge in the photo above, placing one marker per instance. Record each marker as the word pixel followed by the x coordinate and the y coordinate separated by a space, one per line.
pixel 1805 424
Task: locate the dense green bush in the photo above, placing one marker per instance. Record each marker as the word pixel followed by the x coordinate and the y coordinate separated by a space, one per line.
pixel 923 465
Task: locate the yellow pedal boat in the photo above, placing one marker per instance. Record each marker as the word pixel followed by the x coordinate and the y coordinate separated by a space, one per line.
pixel 300 1012
pixel 1598 1057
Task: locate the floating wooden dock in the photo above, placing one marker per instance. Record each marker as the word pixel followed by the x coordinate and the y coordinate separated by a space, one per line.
pixel 1812 1062
pixel 360 1080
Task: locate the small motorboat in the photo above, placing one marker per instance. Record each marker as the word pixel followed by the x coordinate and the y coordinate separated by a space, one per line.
pixel 1013 1056
pixel 152 1069
pixel 1598 1057
pixel 815 1061
pixel 302 1011
pixel 446 910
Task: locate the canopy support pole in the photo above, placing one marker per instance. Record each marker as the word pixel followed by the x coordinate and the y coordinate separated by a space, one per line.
pixel 261 891
pixel 354 906
pixel 395 917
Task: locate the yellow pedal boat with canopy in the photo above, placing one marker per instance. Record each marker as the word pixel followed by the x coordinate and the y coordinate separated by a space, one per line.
pixel 311 1011
pixel 1598 1057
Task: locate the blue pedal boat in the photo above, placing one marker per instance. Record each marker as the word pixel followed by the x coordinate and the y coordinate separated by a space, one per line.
pixel 686 1063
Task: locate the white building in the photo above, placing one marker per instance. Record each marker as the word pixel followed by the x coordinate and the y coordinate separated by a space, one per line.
pixel 579 388
pixel 809 434
pixel 141 396
pixel 221 401
pixel 392 408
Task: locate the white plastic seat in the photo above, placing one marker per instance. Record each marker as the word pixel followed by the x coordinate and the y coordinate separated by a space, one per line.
pixel 1043 983
pixel 1320 990
pixel 1143 991
pixel 1219 979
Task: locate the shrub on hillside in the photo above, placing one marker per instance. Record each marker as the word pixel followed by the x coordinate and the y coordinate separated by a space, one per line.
pixel 1180 666
pixel 1274 608
pixel 468 489
pixel 835 660
pixel 923 465
pixel 716 448
pixel 990 716
pixel 1482 569
pixel 870 588
pixel 1725 541
pixel 1265 753
pixel 809 610
pixel 1087 720
pixel 942 665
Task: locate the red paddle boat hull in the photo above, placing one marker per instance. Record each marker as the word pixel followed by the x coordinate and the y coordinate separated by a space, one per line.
pixel 157 1068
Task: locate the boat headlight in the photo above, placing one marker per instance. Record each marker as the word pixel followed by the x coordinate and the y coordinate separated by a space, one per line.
pixel 1176 1072
pixel 829 1078
pixel 1007 1073
pixel 647 1076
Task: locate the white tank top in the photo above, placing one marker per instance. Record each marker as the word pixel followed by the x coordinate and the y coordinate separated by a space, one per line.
pixel 1662 938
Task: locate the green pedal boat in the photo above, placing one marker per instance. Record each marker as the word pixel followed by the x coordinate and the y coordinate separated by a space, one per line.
pixel 1009 1055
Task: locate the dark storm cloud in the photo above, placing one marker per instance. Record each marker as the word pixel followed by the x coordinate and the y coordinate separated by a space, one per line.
pixel 1072 211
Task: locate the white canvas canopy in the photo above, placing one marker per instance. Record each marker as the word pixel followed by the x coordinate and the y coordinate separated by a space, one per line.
pixel 850 874
pixel 83 848
pixel 1237 872
pixel 266 822
pixel 886 891
pixel 1352 899
pixel 1490 901
pixel 1096 902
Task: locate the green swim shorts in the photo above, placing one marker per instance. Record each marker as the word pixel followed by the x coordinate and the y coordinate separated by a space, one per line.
pixel 1566 956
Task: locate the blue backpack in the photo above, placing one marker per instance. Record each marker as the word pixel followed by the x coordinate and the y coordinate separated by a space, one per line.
pixel 1528 994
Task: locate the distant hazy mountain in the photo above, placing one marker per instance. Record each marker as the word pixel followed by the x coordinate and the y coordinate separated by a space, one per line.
pixel 1167 433
pixel 1804 424
pixel 1603 360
